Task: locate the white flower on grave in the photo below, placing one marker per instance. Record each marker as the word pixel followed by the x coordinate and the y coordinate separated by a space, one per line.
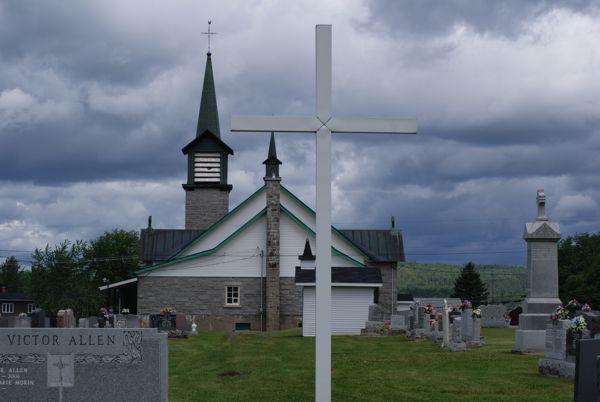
pixel 578 324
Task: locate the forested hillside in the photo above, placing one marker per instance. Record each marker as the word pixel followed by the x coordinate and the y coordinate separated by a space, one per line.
pixel 504 283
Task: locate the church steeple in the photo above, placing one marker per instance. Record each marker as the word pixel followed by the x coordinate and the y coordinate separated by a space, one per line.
pixel 206 189
pixel 208 117
pixel 272 163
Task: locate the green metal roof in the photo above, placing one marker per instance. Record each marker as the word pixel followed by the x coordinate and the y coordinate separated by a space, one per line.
pixel 208 117
pixel 175 259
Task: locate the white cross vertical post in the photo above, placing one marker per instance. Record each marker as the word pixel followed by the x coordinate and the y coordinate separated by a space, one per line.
pixel 323 124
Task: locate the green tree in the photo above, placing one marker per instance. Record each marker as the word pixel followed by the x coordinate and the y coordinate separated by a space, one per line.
pixel 114 255
pixel 61 278
pixel 579 269
pixel 11 275
pixel 469 286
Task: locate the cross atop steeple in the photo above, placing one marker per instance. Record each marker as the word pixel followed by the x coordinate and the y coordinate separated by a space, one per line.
pixel 208 33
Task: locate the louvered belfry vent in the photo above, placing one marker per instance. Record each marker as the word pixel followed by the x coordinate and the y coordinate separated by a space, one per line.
pixel 207 167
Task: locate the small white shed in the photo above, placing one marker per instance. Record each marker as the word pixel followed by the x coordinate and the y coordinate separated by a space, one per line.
pixel 352 292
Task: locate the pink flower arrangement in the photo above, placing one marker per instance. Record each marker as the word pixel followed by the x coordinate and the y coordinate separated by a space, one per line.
pixel 465 304
pixel 428 309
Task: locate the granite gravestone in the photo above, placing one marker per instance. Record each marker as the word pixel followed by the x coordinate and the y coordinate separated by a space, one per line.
pixel 556 360
pixel 587 371
pixel 47 364
pixel 542 237
pixel 492 316
pixel 466 319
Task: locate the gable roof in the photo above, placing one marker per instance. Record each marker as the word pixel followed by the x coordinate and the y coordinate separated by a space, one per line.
pixel 207 139
pixel 161 244
pixel 379 245
pixel 374 245
pixel 13 296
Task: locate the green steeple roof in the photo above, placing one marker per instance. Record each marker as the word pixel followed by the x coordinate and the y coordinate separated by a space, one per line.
pixel 208 118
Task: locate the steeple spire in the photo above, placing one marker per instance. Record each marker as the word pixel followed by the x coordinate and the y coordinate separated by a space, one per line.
pixel 208 118
pixel 272 163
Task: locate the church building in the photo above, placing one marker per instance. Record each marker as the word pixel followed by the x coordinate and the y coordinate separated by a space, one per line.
pixel 252 267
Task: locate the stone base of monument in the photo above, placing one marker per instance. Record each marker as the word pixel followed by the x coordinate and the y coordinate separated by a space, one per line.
pixel 530 341
pixel 417 333
pixel 558 368
pixel 375 328
pixel 475 344
pixel 457 347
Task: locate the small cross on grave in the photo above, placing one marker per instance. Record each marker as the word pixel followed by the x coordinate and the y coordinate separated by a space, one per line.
pixel 61 372
pixel 323 124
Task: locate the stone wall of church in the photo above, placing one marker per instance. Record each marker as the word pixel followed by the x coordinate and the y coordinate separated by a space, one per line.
pixel 205 206
pixel 204 300
pixel 388 293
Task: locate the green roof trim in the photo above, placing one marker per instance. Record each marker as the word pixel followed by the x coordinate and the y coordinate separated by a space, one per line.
pixel 312 232
pixel 205 252
pixel 336 231
pixel 219 222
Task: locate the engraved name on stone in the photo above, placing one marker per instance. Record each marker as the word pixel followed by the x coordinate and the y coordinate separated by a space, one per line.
pixel 14 376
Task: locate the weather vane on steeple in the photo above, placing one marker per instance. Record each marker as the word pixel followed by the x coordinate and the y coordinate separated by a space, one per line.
pixel 208 33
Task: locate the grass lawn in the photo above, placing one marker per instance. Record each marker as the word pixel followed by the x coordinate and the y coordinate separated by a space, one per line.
pixel 280 367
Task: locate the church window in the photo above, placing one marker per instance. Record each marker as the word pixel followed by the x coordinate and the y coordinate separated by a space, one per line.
pixel 232 295
pixel 207 167
pixel 8 308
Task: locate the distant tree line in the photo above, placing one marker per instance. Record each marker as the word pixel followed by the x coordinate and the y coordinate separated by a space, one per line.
pixel 579 269
pixel 70 273
pixel 503 283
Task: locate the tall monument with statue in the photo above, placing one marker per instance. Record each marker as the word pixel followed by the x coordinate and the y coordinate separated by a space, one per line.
pixel 542 299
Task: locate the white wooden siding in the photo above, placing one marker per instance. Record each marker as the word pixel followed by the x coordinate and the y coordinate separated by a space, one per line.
pixel 349 309
pixel 230 225
pixel 308 219
pixel 238 258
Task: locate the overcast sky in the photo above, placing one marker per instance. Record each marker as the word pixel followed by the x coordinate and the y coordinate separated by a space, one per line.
pixel 98 98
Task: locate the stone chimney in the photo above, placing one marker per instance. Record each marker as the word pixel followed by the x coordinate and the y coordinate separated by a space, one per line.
pixel 273 184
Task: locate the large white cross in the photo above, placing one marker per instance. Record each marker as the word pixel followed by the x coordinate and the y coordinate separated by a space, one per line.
pixel 323 124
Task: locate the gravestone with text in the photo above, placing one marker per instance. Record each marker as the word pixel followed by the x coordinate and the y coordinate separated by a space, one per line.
pixel 466 319
pixel 48 364
pixel 556 360
pixel 542 237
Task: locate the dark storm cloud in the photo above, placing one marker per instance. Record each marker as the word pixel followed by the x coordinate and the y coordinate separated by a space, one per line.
pixel 97 100
pixel 437 18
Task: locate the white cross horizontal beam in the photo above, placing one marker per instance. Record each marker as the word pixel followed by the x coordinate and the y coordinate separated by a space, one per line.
pixel 310 124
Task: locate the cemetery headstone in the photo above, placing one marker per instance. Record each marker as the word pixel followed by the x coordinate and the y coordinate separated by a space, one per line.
pixel 587 371
pixel 60 319
pixel 69 318
pixel 375 312
pixel 38 319
pixel 492 316
pixel 592 321
pixel 398 323
pixel 476 340
pixel 23 322
pixel 556 361
pixel 456 343
pixel 542 237
pixel 84 323
pixel 83 364
pixel 466 319
pixel 446 324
